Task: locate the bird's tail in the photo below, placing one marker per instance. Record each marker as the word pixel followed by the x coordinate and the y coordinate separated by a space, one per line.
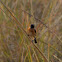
pixel 35 40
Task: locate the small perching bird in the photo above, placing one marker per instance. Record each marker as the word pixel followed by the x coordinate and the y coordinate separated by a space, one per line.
pixel 32 33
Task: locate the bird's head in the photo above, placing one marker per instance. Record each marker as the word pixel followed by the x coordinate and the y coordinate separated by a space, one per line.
pixel 32 26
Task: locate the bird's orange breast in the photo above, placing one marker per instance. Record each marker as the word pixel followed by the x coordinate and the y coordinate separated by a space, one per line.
pixel 31 32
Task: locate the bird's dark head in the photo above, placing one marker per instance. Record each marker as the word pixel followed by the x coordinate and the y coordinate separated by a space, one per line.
pixel 32 26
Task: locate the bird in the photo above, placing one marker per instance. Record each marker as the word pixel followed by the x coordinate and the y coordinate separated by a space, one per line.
pixel 32 32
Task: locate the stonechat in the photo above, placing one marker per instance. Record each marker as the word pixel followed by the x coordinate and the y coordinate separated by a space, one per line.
pixel 32 32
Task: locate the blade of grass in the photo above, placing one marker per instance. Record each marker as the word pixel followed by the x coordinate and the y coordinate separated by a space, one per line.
pixel 26 56
pixel 35 55
pixel 48 51
pixel 52 47
pixel 30 57
pixel 57 58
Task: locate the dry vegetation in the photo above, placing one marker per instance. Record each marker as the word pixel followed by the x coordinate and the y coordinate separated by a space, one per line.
pixel 15 45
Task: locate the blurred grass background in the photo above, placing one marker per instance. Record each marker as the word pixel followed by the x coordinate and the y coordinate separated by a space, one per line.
pixel 15 46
